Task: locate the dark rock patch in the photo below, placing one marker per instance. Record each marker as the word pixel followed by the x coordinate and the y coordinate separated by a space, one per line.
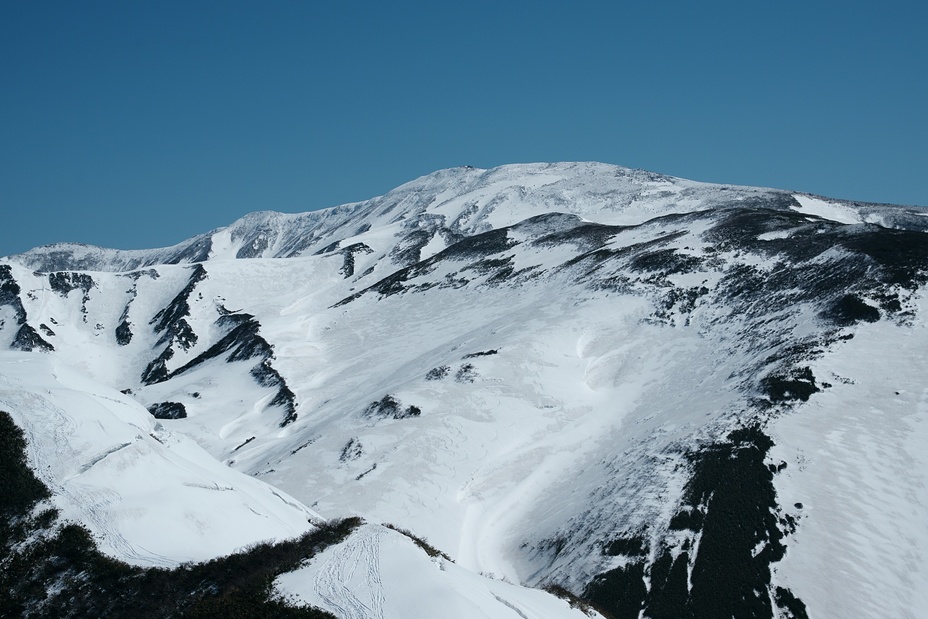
pixel 168 410
pixel 170 322
pixel 348 255
pixel 438 373
pixel 389 407
pixel 731 490
pixel 242 342
pixel 28 339
pixel 156 371
pixel 124 333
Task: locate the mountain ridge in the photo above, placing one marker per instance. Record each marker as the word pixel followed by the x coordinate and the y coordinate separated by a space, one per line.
pixel 274 234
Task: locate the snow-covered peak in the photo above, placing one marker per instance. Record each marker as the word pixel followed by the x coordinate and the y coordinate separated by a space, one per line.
pixel 455 201
pixel 421 217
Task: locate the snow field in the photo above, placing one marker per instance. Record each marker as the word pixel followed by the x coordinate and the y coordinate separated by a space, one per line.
pixel 379 573
pixel 150 497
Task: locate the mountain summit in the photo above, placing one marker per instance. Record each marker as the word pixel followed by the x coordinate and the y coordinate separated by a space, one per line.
pixel 658 397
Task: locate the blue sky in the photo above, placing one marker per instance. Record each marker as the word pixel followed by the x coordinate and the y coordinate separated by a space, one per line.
pixel 139 124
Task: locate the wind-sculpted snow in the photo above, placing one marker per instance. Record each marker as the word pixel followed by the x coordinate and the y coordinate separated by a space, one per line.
pixel 573 376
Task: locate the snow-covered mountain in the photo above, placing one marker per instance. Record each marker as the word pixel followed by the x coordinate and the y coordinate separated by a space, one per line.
pixel 669 398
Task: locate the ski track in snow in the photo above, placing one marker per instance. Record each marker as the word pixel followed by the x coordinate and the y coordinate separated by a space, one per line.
pixel 92 502
pixel 361 551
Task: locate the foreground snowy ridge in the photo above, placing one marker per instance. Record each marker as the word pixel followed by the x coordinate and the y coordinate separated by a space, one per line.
pixel 657 394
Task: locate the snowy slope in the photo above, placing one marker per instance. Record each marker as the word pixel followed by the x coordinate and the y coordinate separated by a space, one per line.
pixel 574 374
pixel 151 497
pixel 370 576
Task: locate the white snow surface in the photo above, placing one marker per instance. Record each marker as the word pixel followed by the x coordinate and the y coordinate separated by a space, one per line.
pixel 841 213
pixel 149 496
pixel 379 573
pixel 858 465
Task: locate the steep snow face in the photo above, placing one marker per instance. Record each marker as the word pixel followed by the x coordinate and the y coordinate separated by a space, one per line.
pixel 857 478
pixel 576 374
pixel 150 496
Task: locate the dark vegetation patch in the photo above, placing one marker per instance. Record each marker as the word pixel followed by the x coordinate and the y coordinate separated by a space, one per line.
pixel 479 245
pixel 499 269
pixel 438 373
pixel 681 300
pixel 592 261
pixel 53 571
pixel 619 593
pixel 667 260
pixel 870 258
pixel 303 446
pixel 389 407
pixel 572 600
pixel 850 309
pixel 351 451
pixel 587 236
pixel 123 333
pixel 467 373
pixel 168 410
pixel 247 440
pixel 483 353
pixel 797 384
pixel 409 249
pixel 421 543
pixel 363 474
pixel 790 606
pixel 547 225
pixel 470 249
pixel 64 282
pixel 902 255
pixel 732 489
pixel 124 328
pixel 348 255
pixel 267 376
pixel 632 546
pixel 687 519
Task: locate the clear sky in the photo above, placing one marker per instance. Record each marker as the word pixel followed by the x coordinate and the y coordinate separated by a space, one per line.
pixel 139 124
